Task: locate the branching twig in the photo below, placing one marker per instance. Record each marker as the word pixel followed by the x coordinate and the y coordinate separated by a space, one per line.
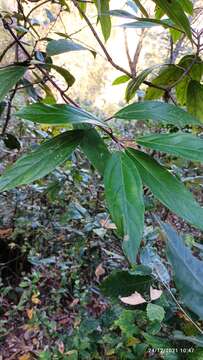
pixel 66 98
pixel 108 56
pixel 8 115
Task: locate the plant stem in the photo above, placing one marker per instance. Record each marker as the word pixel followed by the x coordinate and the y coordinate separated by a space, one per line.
pixel 8 115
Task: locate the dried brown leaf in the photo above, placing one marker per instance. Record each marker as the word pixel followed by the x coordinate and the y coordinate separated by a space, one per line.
pixel 134 299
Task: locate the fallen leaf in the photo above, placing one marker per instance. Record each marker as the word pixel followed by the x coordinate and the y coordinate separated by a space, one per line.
pixel 129 143
pixel 155 294
pixel 61 347
pixel 99 271
pixel 29 313
pixel 134 299
pixel 74 302
pixel 5 232
pixel 106 224
pixel 25 357
pixel 35 299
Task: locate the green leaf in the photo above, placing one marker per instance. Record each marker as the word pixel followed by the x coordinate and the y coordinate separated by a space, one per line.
pixel 187 6
pixel 56 47
pixel 45 355
pixel 155 312
pixel 195 99
pixel 167 77
pixel 139 25
pixel 9 76
pixel 122 283
pixel 83 7
pixel 49 99
pixel 195 73
pixel 121 79
pixel 189 280
pixel 122 13
pixel 141 7
pixel 130 90
pixel 95 149
pixel 124 195
pixel 179 144
pixel 156 342
pixel 41 161
pixel 143 23
pixel 69 78
pixel 176 35
pixel 58 115
pixel 157 111
pixel 104 17
pixel 126 322
pixel 181 91
pixel 197 340
pixel 134 84
pixel 159 13
pixel 175 12
pixel 168 189
pixel 194 63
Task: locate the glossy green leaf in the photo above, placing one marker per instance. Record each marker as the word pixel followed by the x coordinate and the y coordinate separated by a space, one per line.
pixel 187 6
pixel 155 312
pixel 195 99
pixel 58 115
pixel 69 78
pixel 122 283
pixel 42 161
pixel 134 84
pixel 157 111
pixel 104 17
pixel 168 189
pixel 130 90
pixel 9 76
pixel 175 12
pixel 195 73
pixel 95 149
pixel 143 23
pixel 181 91
pixel 56 47
pixel 194 63
pixel 189 280
pixel 167 77
pixel 179 144
pixel 159 13
pixel 124 195
pixel 121 79
pixel 175 35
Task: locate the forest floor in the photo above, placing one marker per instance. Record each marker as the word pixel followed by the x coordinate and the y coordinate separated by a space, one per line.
pixel 57 243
